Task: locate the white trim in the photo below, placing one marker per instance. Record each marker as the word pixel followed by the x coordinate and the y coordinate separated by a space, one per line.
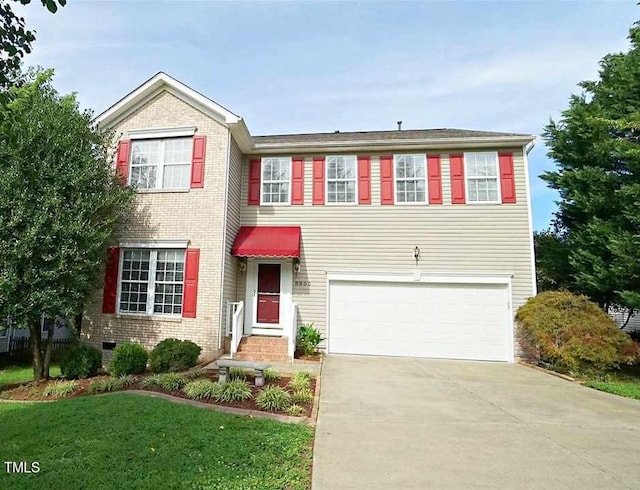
pixel 155 244
pixel 140 134
pixel 426 181
pixel 252 327
pixel 499 279
pixel 262 182
pixel 224 240
pixel 151 87
pixel 466 179
pixel 534 285
pixel 326 181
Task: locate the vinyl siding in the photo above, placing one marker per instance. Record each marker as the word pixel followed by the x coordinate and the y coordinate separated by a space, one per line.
pixel 461 239
pixel 196 216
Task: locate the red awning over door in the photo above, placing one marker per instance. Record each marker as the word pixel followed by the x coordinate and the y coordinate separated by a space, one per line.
pixel 267 241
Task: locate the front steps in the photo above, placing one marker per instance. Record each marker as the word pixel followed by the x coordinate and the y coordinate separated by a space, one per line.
pixel 263 349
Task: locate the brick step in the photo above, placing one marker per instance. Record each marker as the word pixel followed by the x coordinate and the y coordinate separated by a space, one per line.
pixel 258 340
pixel 249 356
pixel 264 349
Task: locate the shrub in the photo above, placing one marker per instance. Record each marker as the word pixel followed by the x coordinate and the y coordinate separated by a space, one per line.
pixel 300 380
pixel 171 355
pixel 195 373
pixel 273 398
pixel 271 375
pixel 237 373
pixel 308 339
pixel 303 395
pixel 59 389
pixel 80 361
pixel 128 358
pixel 295 410
pixel 108 385
pixel 571 333
pixel 199 389
pixel 165 381
pixel 235 390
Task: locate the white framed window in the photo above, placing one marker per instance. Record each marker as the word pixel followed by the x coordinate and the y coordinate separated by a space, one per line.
pixel 151 282
pixel 481 175
pixel 276 180
pixel 161 163
pixel 341 178
pixel 410 172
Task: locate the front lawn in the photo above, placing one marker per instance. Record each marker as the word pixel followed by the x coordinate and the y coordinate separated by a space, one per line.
pixel 11 373
pixel 628 389
pixel 129 441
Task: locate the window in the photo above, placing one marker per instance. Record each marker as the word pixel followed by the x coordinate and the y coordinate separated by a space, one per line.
pixel 341 179
pixel 276 176
pixel 410 173
pixel 161 163
pixel 151 282
pixel 481 170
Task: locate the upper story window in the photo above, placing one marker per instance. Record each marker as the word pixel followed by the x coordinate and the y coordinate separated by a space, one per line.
pixel 341 180
pixel 161 163
pixel 410 177
pixel 151 282
pixel 276 180
pixel 481 171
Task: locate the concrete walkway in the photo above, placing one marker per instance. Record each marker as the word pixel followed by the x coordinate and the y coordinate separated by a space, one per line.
pixel 418 423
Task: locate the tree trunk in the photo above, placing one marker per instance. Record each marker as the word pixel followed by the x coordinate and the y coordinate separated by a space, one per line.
pixel 48 350
pixel 77 321
pixel 629 314
pixel 36 343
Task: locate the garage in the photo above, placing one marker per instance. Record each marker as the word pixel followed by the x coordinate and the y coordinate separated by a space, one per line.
pixel 467 319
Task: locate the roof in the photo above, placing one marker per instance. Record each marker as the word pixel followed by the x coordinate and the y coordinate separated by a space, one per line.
pixel 267 241
pixel 391 136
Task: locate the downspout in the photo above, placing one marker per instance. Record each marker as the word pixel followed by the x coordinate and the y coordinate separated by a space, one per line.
pixel 222 312
pixel 527 148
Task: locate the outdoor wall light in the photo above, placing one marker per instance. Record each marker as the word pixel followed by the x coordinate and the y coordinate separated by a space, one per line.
pixel 243 266
pixel 416 254
pixel 296 267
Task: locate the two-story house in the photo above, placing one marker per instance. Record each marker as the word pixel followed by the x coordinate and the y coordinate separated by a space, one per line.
pixel 402 243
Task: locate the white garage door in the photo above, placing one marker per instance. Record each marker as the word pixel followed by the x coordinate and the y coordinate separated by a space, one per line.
pixel 452 321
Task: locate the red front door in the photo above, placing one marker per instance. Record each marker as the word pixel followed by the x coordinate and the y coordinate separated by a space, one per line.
pixel 268 293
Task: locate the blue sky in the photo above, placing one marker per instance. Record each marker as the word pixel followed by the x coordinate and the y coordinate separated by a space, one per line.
pixel 289 67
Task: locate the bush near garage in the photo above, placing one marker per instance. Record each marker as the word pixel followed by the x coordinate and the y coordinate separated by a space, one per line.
pixel 570 333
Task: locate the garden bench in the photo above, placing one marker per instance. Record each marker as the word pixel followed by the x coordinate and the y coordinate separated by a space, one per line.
pixel 258 367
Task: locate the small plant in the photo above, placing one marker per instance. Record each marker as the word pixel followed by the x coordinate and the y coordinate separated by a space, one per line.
pixel 237 373
pixel 81 361
pixel 110 384
pixel 128 358
pixel 236 390
pixel 171 355
pixel 303 395
pixel 308 339
pixel 59 389
pixel 166 381
pixel 195 373
pixel 300 380
pixel 199 389
pixel 295 410
pixel 271 375
pixel 273 398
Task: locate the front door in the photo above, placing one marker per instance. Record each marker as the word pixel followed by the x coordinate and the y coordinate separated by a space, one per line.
pixel 268 310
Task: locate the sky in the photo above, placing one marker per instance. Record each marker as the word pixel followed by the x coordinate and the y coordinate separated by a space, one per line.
pixel 299 67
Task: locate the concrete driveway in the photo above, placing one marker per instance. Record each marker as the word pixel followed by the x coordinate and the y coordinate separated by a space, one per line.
pixel 418 423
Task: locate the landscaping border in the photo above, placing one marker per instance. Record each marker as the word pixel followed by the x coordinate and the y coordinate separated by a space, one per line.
pixel 549 371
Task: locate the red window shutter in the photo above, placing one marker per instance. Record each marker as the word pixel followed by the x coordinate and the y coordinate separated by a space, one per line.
pixel 456 163
pixel 122 160
pixel 318 180
pixel 507 179
pixel 190 298
pixel 364 180
pixel 297 181
pixel 434 174
pixel 109 297
pixel 386 180
pixel 254 181
pixel 197 162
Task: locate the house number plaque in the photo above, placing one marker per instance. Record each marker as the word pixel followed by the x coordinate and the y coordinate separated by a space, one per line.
pixel 304 284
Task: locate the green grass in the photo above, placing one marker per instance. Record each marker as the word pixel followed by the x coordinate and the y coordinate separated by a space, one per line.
pixel 129 441
pixel 22 373
pixel 629 390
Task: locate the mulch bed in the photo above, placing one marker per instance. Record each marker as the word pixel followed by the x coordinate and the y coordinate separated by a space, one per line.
pixel 31 392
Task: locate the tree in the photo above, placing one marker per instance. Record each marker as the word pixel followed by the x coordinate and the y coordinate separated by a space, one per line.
pixel 60 203
pixel 15 40
pixel 596 146
pixel 553 271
